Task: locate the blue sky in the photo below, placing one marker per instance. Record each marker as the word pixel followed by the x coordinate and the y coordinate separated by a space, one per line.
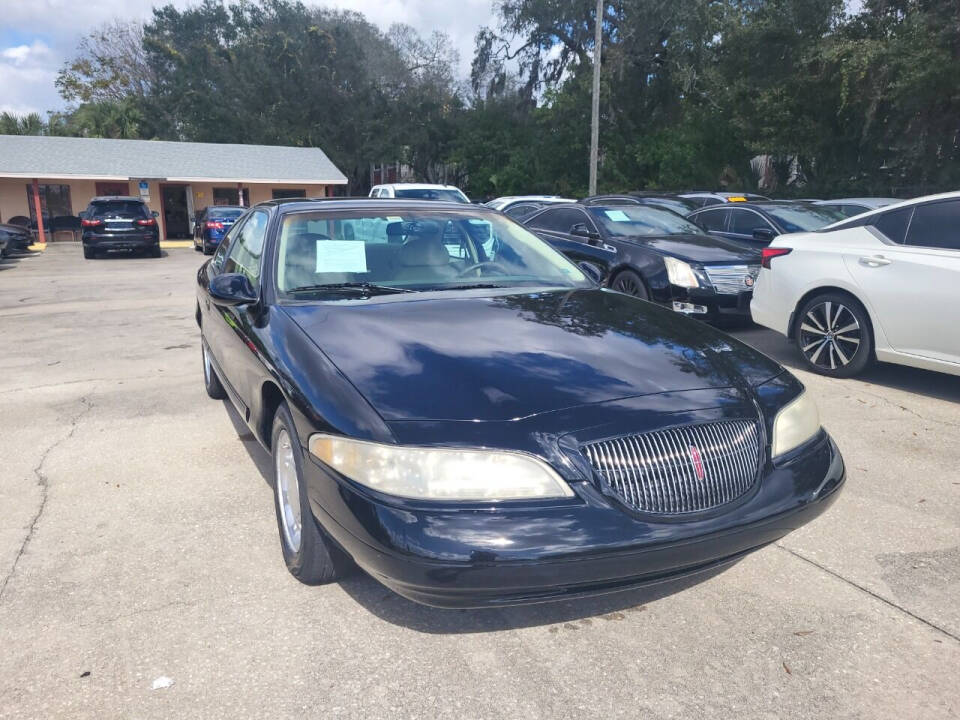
pixel 38 36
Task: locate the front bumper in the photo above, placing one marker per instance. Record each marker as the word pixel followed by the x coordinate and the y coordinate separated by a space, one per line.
pixel 710 304
pixel 475 556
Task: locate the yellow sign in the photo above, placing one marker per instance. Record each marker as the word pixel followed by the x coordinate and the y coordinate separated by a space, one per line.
pixel 736 198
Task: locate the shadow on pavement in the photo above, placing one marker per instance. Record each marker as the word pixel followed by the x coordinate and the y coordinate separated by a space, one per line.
pixel 898 377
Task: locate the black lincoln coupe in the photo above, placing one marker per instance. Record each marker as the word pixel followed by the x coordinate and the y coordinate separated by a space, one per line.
pixel 470 418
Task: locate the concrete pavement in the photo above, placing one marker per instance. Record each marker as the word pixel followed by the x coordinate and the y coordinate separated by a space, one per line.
pixel 138 540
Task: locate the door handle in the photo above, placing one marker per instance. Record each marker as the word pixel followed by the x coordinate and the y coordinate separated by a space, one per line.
pixel 874 261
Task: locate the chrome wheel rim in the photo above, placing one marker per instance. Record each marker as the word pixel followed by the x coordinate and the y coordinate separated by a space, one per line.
pixel 206 365
pixel 288 492
pixel 830 335
pixel 626 284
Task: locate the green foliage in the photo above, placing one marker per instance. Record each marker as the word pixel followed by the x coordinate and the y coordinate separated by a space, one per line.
pixel 691 92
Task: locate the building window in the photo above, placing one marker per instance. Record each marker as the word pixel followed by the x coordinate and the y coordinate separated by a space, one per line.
pixel 279 194
pixel 54 201
pixel 230 196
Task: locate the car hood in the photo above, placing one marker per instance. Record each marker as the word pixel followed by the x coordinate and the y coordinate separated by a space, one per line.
pixel 698 248
pixel 459 356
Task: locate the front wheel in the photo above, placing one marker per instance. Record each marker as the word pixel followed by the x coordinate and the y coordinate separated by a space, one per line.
pixel 629 283
pixel 309 555
pixel 210 380
pixel 833 334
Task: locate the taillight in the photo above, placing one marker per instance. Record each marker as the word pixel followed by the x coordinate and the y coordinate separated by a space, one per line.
pixel 147 221
pixel 769 253
pixel 214 226
pixel 91 223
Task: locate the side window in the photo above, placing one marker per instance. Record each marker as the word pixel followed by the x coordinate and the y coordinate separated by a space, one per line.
pixel 936 225
pixel 712 220
pixel 246 248
pixel 520 210
pixel 224 247
pixel 558 220
pixel 893 224
pixel 744 222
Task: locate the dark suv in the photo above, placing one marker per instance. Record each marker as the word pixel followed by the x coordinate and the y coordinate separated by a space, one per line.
pixel 119 223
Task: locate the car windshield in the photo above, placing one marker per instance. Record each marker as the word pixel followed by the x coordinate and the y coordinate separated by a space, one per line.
pixel 328 253
pixel 796 218
pixel 627 220
pixel 226 214
pixel 118 208
pixel 430 194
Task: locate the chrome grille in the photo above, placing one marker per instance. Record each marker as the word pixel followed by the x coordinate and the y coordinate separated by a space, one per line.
pixel 731 279
pixel 680 470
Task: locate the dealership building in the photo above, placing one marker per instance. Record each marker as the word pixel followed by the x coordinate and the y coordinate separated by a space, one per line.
pixel 59 175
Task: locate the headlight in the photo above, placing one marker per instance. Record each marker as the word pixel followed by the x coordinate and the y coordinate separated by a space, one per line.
pixel 795 424
pixel 680 273
pixel 439 473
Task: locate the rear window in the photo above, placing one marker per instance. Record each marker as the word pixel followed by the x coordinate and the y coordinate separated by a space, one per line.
pixel 118 208
pixel 431 194
pixel 795 218
pixel 225 214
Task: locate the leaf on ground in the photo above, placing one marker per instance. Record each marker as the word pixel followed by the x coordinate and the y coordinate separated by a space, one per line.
pixel 802 633
pixel 787 668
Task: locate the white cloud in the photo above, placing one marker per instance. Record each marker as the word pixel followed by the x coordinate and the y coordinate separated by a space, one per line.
pixel 38 36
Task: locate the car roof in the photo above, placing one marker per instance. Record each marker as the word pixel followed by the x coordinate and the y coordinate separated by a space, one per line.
pixel 366 203
pixel 106 198
pixel 875 202
pixel 954 195
pixel 418 186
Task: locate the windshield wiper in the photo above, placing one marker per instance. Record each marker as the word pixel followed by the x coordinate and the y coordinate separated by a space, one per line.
pixel 352 288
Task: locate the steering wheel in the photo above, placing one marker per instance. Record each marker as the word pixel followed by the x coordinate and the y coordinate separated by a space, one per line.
pixel 486 263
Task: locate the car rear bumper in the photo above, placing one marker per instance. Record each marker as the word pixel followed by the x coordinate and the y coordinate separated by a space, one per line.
pixel 133 241
pixel 466 556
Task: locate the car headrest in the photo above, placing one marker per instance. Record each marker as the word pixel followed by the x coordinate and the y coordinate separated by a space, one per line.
pixel 424 250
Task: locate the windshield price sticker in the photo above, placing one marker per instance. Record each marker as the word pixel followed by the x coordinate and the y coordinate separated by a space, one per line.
pixel 341 256
pixel 617 215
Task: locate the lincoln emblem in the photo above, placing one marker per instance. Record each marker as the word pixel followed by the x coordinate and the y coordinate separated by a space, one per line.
pixel 697 461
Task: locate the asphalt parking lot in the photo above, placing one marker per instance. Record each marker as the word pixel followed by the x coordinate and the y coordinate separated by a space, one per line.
pixel 138 541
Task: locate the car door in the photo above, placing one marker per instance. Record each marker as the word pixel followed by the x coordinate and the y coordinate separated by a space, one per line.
pixel 232 342
pixel 911 275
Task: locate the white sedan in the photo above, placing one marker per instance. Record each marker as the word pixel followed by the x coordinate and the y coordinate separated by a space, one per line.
pixel 884 285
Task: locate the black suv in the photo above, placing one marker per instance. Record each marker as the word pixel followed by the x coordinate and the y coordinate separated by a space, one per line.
pixel 119 223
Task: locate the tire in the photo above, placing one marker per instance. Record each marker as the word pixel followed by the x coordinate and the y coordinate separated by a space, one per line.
pixel 155 252
pixel 629 283
pixel 824 350
pixel 88 253
pixel 207 250
pixel 309 555
pixel 210 379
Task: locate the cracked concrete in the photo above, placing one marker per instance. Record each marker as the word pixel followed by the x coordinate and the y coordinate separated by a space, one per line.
pixel 44 490
pixel 144 544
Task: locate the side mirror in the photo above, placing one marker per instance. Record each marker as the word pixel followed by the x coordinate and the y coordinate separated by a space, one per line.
pixel 155 213
pixel 763 234
pixel 232 289
pixel 581 230
pixel 591 271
